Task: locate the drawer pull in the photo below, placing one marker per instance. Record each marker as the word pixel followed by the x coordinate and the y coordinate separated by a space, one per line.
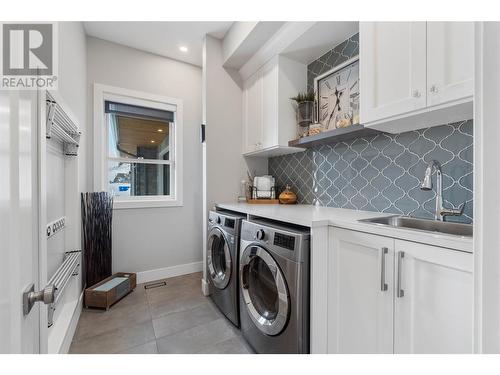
pixel 383 284
pixel 400 292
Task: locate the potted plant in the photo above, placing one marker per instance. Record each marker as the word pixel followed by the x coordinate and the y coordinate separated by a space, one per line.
pixel 305 106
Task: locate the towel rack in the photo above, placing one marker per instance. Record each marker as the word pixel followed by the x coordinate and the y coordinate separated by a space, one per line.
pixel 60 126
pixel 69 267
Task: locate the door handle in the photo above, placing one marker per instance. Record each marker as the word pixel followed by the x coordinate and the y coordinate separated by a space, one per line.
pixel 383 284
pixel 400 292
pixel 30 297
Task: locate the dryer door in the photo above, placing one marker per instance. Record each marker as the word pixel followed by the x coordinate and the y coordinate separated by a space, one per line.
pixel 218 259
pixel 264 290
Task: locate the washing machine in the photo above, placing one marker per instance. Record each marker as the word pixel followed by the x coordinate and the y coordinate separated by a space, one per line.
pixel 274 286
pixel 222 261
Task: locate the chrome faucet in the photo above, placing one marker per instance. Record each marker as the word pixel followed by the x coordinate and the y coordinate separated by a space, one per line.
pixel 441 211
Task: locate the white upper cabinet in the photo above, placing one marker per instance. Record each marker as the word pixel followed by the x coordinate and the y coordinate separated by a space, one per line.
pixel 252 115
pixel 415 74
pixel 269 120
pixel 450 61
pixel 434 300
pixel 392 76
pixel 270 82
pixel 361 288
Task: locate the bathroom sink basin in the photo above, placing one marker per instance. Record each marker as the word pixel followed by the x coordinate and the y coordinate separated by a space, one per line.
pixel 426 225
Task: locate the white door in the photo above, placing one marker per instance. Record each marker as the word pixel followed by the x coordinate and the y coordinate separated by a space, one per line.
pixel 270 74
pixel 253 113
pixel 434 301
pixel 392 69
pixel 19 333
pixel 360 300
pixel 450 61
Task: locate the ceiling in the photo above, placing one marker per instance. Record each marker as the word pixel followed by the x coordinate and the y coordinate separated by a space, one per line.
pixel 319 39
pixel 135 133
pixel 164 38
pixel 161 38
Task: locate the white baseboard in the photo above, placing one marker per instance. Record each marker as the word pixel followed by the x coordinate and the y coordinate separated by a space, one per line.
pixel 70 333
pixel 163 273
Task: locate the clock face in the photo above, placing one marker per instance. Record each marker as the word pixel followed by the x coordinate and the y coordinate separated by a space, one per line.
pixel 338 97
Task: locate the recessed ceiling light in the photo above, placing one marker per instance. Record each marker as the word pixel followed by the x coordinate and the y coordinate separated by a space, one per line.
pixel 160 130
pixel 183 48
pixel 152 141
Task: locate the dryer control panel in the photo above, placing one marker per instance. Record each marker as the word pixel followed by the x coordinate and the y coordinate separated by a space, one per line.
pixel 284 241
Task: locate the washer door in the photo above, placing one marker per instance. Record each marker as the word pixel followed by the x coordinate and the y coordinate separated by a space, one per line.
pixel 218 258
pixel 264 290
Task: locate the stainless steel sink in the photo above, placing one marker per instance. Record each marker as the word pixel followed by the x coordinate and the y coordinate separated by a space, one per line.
pixel 406 222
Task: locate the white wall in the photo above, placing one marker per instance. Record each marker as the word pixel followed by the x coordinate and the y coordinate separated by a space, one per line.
pixel 66 177
pixel 223 118
pixel 155 238
pixel 486 188
pixel 72 88
pixel 224 166
pixel 236 34
pixel 55 182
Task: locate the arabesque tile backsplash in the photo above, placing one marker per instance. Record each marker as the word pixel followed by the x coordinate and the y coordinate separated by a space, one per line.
pixel 381 173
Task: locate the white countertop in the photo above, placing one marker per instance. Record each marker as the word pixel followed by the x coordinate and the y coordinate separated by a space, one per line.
pixel 315 216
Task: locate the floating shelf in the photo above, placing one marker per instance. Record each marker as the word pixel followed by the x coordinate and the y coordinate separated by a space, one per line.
pixel 334 136
pixel 273 151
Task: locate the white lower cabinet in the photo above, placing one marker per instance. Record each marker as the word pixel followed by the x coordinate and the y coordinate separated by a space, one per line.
pixel 433 309
pixel 361 286
pixel 393 296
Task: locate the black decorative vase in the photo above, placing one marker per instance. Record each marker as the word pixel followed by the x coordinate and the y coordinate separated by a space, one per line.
pixel 97 215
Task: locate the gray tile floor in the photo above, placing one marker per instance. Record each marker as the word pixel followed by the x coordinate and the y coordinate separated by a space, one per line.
pixel 175 318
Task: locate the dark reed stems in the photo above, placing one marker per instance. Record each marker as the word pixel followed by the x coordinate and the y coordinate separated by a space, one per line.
pixel 97 215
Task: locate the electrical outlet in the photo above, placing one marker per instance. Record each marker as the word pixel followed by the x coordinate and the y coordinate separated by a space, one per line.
pixel 56 226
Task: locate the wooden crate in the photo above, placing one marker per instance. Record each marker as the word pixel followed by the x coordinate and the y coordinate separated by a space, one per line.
pixel 263 201
pixel 105 298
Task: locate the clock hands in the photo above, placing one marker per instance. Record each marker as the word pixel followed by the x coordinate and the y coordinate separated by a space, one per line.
pixel 338 94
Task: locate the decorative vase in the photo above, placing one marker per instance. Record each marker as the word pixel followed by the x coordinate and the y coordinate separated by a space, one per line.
pixel 97 217
pixel 305 113
pixel 288 196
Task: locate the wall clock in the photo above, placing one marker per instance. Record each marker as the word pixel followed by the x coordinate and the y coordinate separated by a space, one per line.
pixel 337 94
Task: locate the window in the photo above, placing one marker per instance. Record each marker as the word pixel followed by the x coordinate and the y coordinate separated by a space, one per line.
pixel 140 139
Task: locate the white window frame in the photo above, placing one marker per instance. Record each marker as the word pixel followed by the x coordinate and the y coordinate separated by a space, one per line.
pixel 103 93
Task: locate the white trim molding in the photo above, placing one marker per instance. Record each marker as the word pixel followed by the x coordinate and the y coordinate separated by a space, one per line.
pixel 163 273
pixel 486 187
pixel 70 333
pixel 144 99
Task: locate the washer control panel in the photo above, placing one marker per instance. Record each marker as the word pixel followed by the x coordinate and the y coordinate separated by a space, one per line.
pixel 260 235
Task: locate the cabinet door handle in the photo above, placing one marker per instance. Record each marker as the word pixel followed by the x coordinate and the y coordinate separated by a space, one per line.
pixel 383 284
pixel 416 94
pixel 400 292
pixel 434 89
